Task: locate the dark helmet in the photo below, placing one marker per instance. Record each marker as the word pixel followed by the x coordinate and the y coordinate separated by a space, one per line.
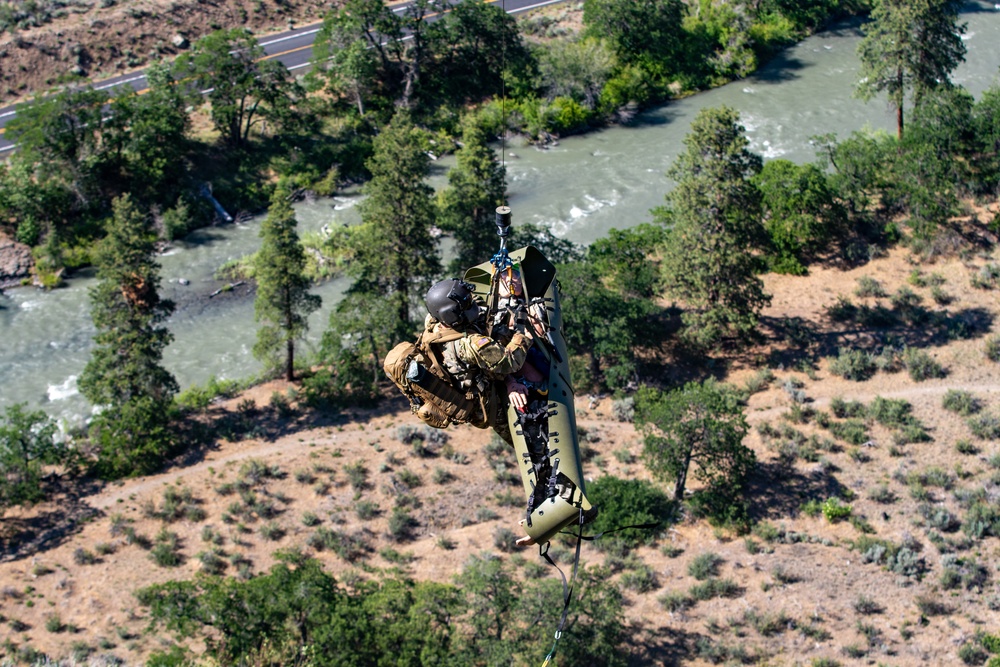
pixel 453 302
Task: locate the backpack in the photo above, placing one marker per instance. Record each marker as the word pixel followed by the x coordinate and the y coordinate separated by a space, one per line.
pixel 416 370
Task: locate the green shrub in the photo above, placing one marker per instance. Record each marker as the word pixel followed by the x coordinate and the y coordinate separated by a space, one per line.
pixel 674 601
pixel 834 511
pixel 54 624
pixel 357 475
pixel 982 519
pixel 843 409
pixel 628 502
pixel 985 426
pixel 715 588
pixel 921 366
pixel 272 531
pixel 82 556
pixel 869 287
pixel 882 494
pixel 851 364
pixel 866 605
pixel 400 524
pixel 852 431
pixel 962 402
pixel 891 412
pixel 704 565
pixel 971 654
pixel 409 478
pixel 992 347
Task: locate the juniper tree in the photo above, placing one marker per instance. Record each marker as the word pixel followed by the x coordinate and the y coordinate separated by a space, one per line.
pixel 245 88
pixel 124 375
pixel 700 425
pixel 468 206
pixel 709 260
pixel 26 442
pixel 909 45
pixel 283 302
pixel 395 255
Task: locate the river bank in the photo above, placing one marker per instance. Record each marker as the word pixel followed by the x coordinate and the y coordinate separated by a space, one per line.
pixel 579 189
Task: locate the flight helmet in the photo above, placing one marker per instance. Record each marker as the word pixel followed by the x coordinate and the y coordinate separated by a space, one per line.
pixel 453 302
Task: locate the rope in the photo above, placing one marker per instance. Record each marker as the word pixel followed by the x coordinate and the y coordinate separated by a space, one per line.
pixel 567 585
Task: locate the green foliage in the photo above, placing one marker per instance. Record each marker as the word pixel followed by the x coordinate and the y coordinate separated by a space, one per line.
pixel 715 588
pixel 625 502
pixel 643 32
pixel 853 364
pixel 708 262
pixel 283 302
pixel 602 323
pixel 415 623
pixel 197 397
pixel 124 374
pixel 701 424
pixel 245 88
pixel 800 212
pixel 909 46
pixel 921 365
pixel 992 347
pixel 704 565
pixel 26 444
pixel 476 186
pixel 962 402
pixel 394 255
pixel 834 510
pixel 573 72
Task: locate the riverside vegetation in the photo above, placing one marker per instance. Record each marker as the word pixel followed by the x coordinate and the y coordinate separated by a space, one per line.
pixel 667 316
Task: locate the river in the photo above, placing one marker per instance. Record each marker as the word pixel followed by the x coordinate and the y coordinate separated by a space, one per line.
pixel 580 189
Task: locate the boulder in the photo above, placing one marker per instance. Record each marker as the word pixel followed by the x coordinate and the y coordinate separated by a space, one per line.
pixel 16 262
pixel 179 41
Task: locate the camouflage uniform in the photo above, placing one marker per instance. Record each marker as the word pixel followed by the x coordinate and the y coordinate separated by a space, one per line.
pixel 479 364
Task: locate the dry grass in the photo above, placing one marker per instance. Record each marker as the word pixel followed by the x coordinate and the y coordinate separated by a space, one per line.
pixel 795 590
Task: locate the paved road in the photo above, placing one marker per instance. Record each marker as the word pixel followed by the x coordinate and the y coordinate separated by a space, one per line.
pixel 293 48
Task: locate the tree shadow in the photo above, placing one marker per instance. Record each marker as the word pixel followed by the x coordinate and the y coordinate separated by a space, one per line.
pixel 668 646
pixel 21 537
pixel 778 491
pixel 872 328
pixel 654 117
pixel 780 68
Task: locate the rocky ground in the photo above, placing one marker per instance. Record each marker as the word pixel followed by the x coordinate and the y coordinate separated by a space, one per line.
pixel 16 262
pixel 97 39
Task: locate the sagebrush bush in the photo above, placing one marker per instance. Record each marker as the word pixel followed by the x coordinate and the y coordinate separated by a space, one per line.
pixel 992 347
pixel 674 601
pixel 704 565
pixel 869 287
pixel 985 426
pixel 851 364
pixel 623 409
pixel 921 366
pixel 962 402
pixel 715 588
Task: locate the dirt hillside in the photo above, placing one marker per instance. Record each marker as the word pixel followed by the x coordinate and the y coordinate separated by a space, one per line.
pixel 796 591
pixel 97 39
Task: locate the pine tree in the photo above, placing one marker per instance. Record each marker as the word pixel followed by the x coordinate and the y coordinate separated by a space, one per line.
pixel 395 255
pixel 124 374
pixel 909 44
pixel 468 207
pixel 283 302
pixel 709 260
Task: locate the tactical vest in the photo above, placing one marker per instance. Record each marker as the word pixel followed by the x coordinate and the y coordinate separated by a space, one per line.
pixel 416 369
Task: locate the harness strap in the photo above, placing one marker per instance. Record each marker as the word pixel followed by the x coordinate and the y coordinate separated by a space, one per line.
pixel 426 348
